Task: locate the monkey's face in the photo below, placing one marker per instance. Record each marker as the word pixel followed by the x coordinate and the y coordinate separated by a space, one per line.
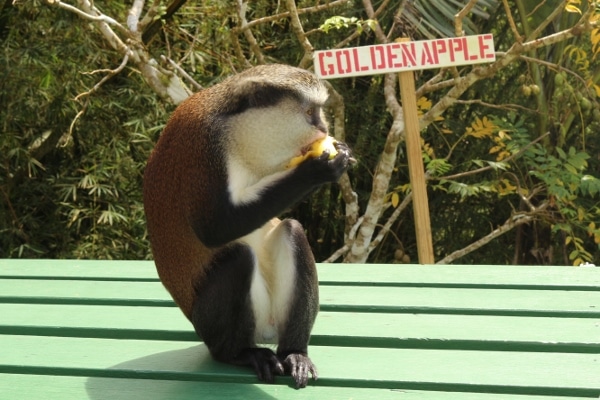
pixel 266 138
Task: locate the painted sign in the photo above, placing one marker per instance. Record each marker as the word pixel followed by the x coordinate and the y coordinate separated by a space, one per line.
pixel 404 56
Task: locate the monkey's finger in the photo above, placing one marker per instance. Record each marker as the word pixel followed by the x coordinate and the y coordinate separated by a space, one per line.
pixel 277 367
pixel 299 367
pixel 324 155
pixel 300 375
pixel 341 146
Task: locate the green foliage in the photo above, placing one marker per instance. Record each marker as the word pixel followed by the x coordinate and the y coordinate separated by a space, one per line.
pixel 70 186
pixel 339 22
pixel 70 190
pixel 589 186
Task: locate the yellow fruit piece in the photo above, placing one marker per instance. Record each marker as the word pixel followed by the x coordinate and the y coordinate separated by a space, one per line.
pixel 315 150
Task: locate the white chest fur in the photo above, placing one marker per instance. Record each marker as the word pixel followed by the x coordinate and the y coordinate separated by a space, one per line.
pixel 273 281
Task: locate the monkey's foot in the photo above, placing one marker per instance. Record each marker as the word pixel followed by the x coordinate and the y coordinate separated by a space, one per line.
pixel 299 366
pixel 264 362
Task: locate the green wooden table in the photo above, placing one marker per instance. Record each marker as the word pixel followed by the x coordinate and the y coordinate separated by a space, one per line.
pixel 109 330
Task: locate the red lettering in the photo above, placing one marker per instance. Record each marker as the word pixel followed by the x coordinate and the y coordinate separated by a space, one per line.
pixel 392 55
pixel 409 54
pixel 426 55
pixel 338 58
pixel 322 65
pixel 378 64
pixel 455 44
pixel 460 44
pixel 484 46
pixel 439 47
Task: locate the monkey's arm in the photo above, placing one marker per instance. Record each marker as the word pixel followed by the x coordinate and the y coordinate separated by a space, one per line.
pixel 230 220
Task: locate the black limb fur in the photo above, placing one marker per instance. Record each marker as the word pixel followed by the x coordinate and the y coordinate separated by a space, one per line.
pixel 228 222
pixel 222 313
pixel 293 342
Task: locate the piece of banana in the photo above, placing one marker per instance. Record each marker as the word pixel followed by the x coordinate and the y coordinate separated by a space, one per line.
pixel 315 150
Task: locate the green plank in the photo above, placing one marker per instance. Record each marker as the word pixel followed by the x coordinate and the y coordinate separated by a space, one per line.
pixel 128 270
pixel 466 276
pixel 84 292
pixel 439 370
pixel 523 277
pixel 333 298
pixel 461 301
pixel 331 328
pixel 43 387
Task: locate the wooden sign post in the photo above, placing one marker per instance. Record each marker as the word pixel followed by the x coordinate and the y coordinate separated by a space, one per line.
pixel 405 56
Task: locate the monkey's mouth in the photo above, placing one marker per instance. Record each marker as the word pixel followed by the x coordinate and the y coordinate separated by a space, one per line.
pixel 305 149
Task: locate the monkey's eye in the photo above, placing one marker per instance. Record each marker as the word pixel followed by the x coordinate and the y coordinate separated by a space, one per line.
pixel 310 111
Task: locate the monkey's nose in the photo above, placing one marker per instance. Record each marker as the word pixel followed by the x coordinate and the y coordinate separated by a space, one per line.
pixel 321 126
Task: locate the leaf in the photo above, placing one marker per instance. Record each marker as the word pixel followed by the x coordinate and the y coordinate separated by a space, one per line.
pixel 423 103
pixel 595 38
pixel 438 166
pixel 481 128
pixel 572 6
pixel 503 134
pixel 339 22
pixel 571 169
pixel 580 214
pixel 498 165
pixel 502 155
pixel 496 149
pixel 590 185
pixel 395 199
pixel 578 160
pixel 505 187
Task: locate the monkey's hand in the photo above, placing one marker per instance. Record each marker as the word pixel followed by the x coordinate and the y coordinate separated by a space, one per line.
pixel 264 362
pixel 299 366
pixel 324 168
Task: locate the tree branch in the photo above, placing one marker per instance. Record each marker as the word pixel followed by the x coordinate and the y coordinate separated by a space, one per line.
pixel 381 180
pixel 511 223
pixel 150 15
pixel 390 221
pixel 558 9
pixel 381 36
pixel 481 72
pixel 459 16
pixel 511 22
pixel 110 74
pixel 133 16
pixel 256 50
pixel 336 102
pixel 300 35
pixel 182 72
pixel 287 14
pixel 91 17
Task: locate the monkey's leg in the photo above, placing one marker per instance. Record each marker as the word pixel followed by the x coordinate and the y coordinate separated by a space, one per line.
pixel 296 293
pixel 223 317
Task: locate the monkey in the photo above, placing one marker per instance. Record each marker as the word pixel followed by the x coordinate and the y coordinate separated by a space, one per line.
pixel 214 187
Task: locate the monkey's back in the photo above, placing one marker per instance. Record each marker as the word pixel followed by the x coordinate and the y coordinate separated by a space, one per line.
pixel 181 180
